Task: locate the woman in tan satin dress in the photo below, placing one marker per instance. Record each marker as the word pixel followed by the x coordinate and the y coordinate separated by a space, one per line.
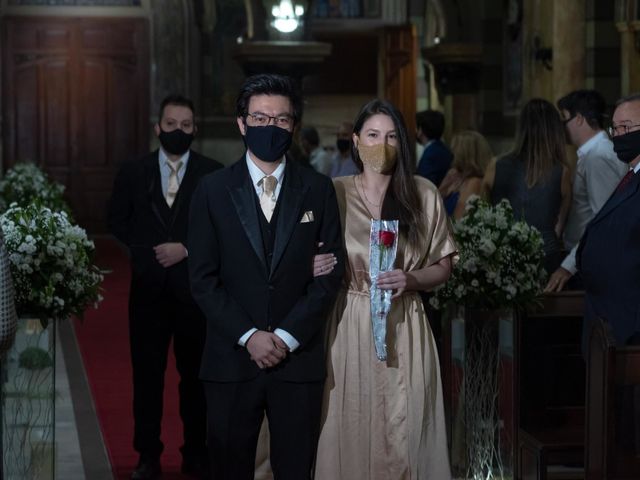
pixel 384 420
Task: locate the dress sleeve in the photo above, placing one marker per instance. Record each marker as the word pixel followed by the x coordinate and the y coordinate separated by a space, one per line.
pixel 439 229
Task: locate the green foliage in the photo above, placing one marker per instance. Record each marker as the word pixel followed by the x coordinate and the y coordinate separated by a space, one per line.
pixel 51 262
pixel 25 184
pixel 500 260
pixel 34 358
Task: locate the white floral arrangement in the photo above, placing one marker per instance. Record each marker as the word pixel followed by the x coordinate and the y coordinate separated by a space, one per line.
pixel 500 260
pixel 25 183
pixel 50 261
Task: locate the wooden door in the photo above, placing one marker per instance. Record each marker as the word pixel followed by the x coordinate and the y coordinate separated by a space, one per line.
pixel 399 55
pixel 75 94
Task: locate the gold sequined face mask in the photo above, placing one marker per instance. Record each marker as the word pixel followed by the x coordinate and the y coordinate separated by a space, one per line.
pixel 380 158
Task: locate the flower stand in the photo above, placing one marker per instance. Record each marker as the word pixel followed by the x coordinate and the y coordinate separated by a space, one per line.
pixel 28 401
pixel 479 392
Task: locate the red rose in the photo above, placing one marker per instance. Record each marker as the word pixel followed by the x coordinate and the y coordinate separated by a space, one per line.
pixel 386 238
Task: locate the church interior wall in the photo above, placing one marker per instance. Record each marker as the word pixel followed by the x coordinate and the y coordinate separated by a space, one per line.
pixel 192 41
pixel 603 57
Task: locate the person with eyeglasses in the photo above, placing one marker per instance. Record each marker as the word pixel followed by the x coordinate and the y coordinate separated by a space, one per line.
pixel 608 256
pixel 254 229
pixel 609 261
pixel 597 173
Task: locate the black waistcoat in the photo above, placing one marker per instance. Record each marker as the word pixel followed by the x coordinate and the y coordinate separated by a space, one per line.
pixel 268 229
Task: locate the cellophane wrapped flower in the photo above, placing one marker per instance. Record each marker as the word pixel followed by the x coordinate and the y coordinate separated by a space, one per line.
pixel 383 244
pixel 50 261
pixel 25 183
pixel 500 260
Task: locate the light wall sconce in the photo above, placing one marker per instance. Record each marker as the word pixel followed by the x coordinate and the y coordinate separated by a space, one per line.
pixel 541 54
pixel 287 17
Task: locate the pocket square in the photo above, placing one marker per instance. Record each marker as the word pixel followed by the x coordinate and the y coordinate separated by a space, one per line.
pixel 307 217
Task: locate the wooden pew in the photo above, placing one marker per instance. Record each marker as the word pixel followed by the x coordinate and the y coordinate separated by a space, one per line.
pixel 551 389
pixel 612 372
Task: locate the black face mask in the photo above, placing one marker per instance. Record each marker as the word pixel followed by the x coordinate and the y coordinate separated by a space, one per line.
pixel 175 142
pixel 343 145
pixel 268 143
pixel 627 146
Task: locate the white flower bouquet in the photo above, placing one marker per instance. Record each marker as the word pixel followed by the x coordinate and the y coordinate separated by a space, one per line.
pixel 500 260
pixel 50 261
pixel 25 183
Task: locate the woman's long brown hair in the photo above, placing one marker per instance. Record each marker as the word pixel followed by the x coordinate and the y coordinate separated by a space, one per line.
pixel 540 140
pixel 403 191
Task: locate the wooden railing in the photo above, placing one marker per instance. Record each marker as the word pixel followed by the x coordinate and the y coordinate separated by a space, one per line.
pixel 613 408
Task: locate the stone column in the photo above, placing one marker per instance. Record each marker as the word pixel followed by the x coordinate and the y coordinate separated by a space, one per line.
pixel 538 34
pixel 568 47
pixel 630 56
pixel 170 65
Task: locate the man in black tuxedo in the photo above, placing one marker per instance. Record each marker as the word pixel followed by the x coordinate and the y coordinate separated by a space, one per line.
pixel 148 212
pixel 609 252
pixel 254 229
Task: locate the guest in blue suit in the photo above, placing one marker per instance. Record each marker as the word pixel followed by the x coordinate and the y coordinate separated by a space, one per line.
pixel 436 158
pixel 609 251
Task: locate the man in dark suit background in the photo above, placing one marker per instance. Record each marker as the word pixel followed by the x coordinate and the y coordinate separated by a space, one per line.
pixel 436 158
pixel 609 251
pixel 148 213
pixel 254 229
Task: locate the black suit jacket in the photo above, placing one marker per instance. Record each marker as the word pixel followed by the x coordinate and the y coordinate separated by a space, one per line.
pixel 140 220
pixel 609 260
pixel 234 287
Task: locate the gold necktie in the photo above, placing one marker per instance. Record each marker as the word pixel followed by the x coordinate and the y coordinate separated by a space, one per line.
pixel 268 197
pixel 172 186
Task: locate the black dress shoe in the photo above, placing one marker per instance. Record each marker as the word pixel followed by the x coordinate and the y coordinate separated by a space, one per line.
pixel 147 469
pixel 196 468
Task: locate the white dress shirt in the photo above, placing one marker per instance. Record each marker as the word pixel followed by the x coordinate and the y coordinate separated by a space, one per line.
pixel 256 178
pixel 598 172
pixel 320 160
pixel 342 166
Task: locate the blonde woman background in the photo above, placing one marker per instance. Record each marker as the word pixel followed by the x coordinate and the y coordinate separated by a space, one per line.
pixel 471 155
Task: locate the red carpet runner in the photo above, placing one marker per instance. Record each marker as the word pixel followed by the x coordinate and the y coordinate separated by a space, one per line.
pixel 104 343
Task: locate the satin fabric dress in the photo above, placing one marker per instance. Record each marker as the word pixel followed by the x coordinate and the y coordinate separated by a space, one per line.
pixel 384 420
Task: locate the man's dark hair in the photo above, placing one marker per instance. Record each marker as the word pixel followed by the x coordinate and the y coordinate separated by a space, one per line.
pixel 588 103
pixel 270 84
pixel 310 134
pixel 431 122
pixel 175 99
